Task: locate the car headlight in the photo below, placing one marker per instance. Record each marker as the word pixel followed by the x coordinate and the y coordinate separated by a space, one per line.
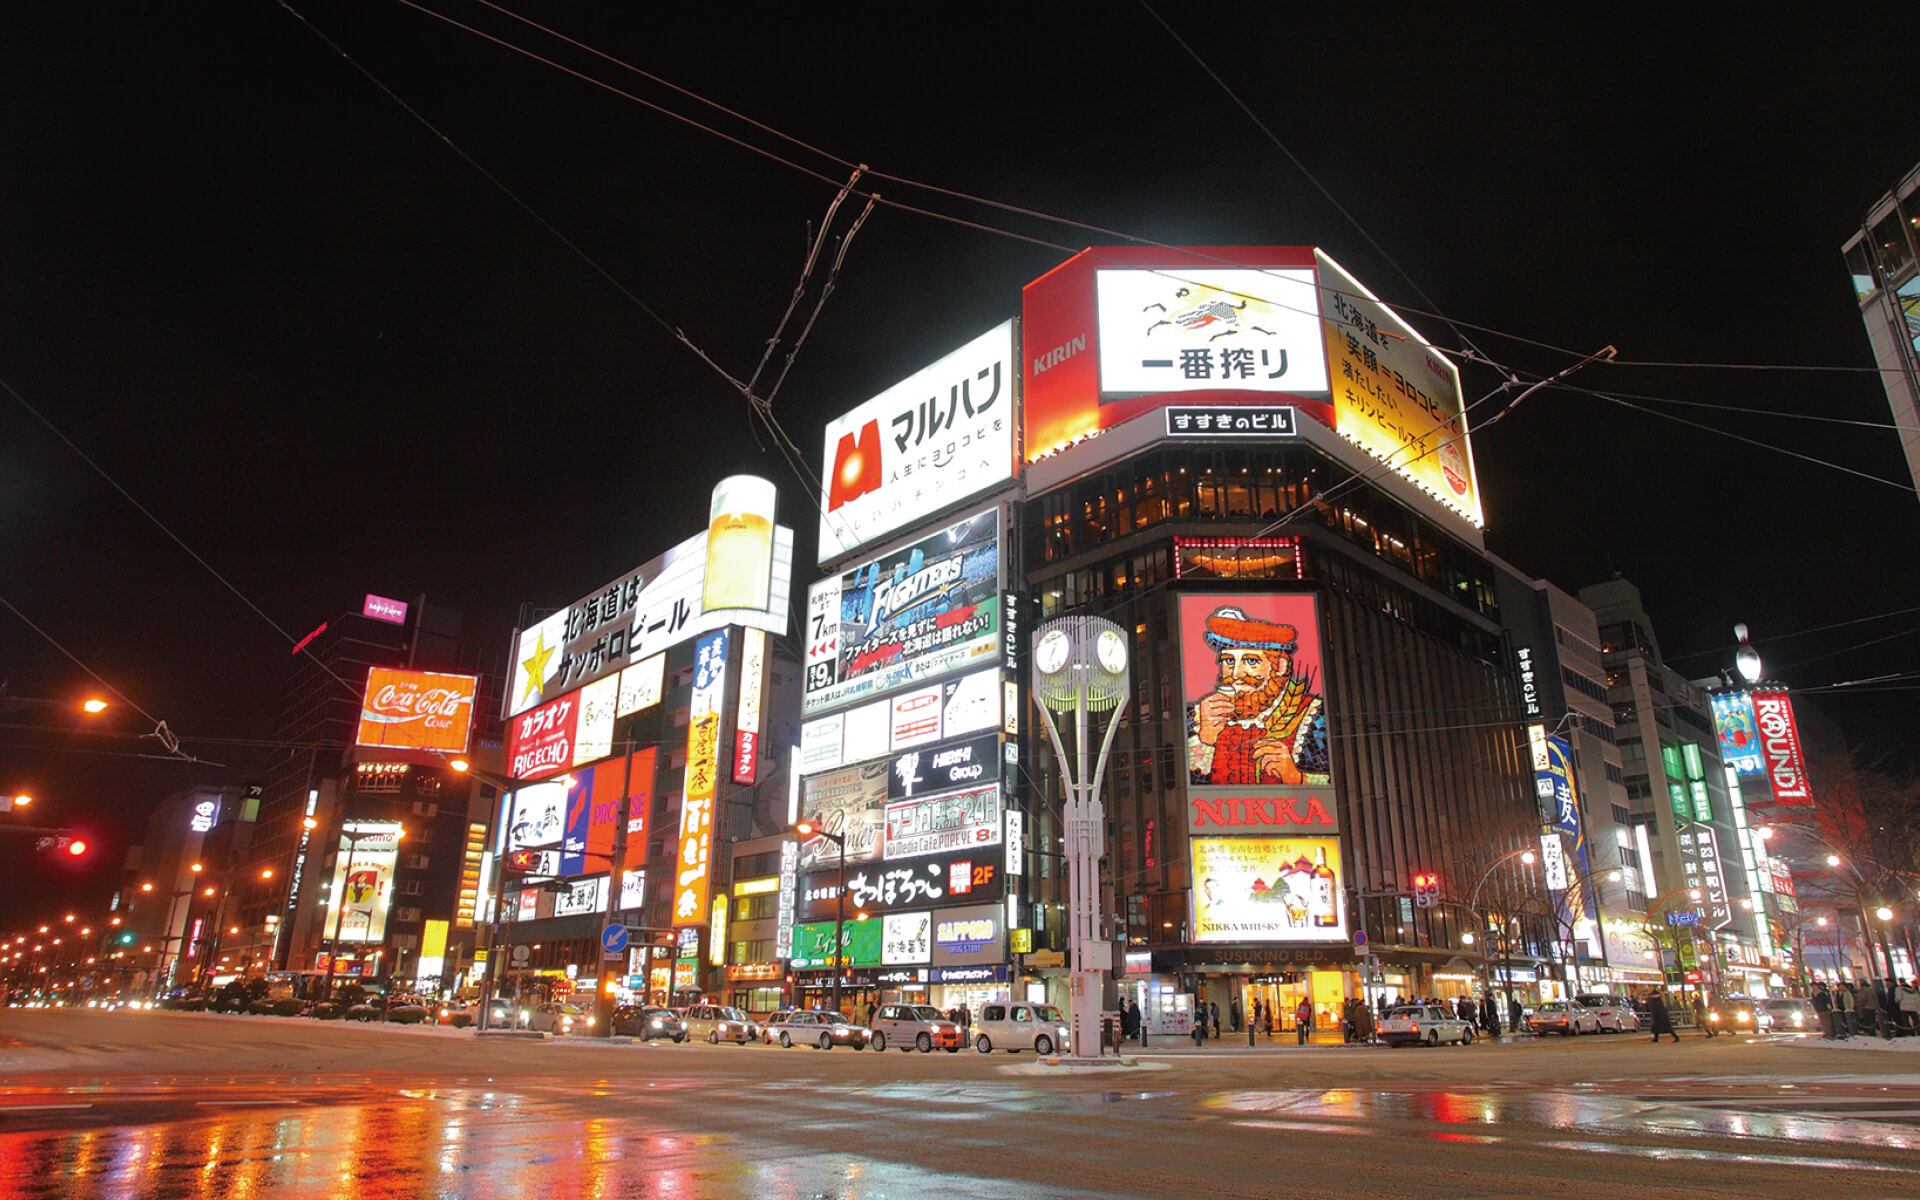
pixel 1798 1019
pixel 1740 1017
pixel 840 1030
pixel 656 1024
pixel 589 1022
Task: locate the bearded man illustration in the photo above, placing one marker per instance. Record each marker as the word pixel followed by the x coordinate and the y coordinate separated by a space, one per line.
pixel 1262 724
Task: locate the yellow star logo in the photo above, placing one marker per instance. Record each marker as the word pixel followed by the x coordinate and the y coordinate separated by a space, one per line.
pixel 537 665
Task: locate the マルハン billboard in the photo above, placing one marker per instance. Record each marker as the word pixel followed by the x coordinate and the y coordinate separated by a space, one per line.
pixel 1252 674
pixel 936 438
pixel 1394 395
pixel 907 617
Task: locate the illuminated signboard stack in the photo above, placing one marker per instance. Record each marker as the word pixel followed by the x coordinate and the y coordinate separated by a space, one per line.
pixel 907 703
pixel 587 726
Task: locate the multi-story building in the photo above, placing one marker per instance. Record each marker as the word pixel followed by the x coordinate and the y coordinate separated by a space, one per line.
pixel 1587 823
pixel 910 751
pixel 668 696
pixel 333 799
pixel 183 886
pixel 1264 475
pixel 1884 261
pixel 1691 830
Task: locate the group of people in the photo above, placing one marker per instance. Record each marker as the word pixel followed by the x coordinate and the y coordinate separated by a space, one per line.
pixel 1871 1008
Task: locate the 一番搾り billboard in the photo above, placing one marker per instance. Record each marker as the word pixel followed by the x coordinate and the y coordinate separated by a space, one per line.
pixel 915 614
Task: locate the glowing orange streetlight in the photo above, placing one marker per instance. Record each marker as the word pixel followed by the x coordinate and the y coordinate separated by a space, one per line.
pixel 95 705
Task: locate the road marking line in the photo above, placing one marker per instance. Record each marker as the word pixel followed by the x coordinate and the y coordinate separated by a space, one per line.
pixel 205 1103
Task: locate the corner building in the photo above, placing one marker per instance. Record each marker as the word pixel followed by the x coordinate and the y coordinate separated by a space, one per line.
pixel 1243 457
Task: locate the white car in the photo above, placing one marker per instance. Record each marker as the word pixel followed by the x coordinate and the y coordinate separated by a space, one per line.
pixel 1567 1018
pixel 1421 1024
pixel 1613 1013
pixel 1019 1026
pixel 1791 1015
pixel 560 1018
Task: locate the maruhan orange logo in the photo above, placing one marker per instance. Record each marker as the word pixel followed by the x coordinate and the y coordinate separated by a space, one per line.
pixel 856 466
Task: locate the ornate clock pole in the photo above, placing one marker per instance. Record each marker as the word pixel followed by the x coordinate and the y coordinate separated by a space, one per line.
pixel 1080 666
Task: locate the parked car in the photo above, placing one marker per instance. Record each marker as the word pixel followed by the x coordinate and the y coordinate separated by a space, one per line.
pixel 1613 1013
pixel 914 1027
pixel 823 1031
pixel 1566 1018
pixel 182 1000
pixel 1423 1024
pixel 400 1010
pixel 501 1014
pixel 1791 1015
pixel 1019 1026
pixel 716 1023
pixel 647 1022
pixel 459 1016
pixel 555 1017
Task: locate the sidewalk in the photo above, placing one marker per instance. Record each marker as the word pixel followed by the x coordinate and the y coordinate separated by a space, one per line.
pixel 1173 1043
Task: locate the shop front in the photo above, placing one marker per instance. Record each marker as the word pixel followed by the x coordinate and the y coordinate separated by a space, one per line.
pixel 1276 978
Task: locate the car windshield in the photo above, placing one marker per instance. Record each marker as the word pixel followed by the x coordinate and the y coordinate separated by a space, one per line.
pixel 729 1014
pixel 658 1012
pixel 1047 1012
pixel 926 1012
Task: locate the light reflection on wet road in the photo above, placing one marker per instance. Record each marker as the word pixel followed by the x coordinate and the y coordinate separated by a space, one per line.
pixel 367 1139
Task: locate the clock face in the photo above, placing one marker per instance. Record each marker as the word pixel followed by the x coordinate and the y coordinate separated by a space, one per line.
pixel 1112 649
pixel 1051 654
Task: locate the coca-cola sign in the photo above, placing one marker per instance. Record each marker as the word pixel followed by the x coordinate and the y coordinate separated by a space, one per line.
pixel 1780 747
pixel 417 710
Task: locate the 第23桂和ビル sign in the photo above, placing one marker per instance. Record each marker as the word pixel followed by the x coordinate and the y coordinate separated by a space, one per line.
pixel 917 613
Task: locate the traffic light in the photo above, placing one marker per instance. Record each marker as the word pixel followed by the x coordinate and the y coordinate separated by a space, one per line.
pixel 76 847
pixel 522 860
pixel 63 844
pixel 126 939
pixel 1426 890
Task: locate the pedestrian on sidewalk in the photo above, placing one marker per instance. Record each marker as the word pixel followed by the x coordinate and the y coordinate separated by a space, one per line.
pixel 1662 1022
pixel 1823 1008
pixel 1303 1019
pixel 1489 1016
pixel 1906 998
pixel 1843 1011
pixel 1700 1017
pixel 1259 1007
pixel 1514 1013
pixel 1129 1020
pixel 1867 1004
pixel 1213 1010
pixel 1363 1019
pixel 1233 1013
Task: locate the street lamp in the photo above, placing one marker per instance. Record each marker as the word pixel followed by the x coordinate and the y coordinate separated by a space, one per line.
pixel 1526 856
pixel 806 831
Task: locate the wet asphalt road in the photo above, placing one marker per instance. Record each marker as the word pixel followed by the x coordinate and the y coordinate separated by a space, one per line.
pixel 190 1105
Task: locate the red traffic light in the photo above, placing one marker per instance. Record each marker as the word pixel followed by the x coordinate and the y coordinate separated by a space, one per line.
pixel 76 847
pixel 522 860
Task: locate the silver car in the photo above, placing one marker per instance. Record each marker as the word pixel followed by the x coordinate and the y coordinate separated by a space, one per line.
pixel 823 1031
pixel 715 1024
pixel 1614 1013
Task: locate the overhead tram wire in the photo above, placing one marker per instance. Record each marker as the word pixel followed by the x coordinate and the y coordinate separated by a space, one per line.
pixel 1611 398
pixel 1781 637
pixel 1015 209
pixel 160 733
pixel 678 334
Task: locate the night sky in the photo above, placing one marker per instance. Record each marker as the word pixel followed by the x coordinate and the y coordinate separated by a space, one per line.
pixel 333 358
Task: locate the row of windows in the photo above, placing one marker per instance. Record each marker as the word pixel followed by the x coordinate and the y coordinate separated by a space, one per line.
pixel 1613 772
pixel 1250 485
pixel 1591 688
pixel 1574 641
